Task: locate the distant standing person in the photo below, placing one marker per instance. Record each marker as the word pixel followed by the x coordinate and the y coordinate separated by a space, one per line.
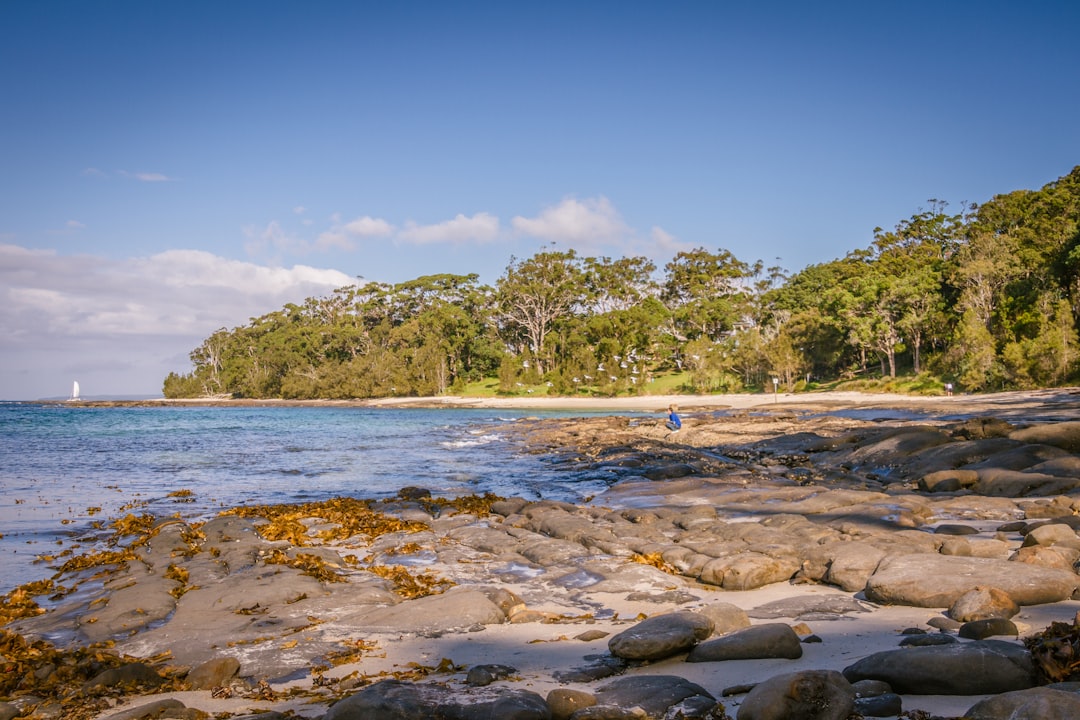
pixel 674 424
pixel 948 389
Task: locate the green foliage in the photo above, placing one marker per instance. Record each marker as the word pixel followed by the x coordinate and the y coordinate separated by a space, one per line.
pixel 986 298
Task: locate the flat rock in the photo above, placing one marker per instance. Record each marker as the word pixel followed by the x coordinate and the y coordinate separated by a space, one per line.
pixel 978 668
pixel 433 613
pixel 396 700
pixel 981 629
pixel 1064 435
pixel 827 607
pixel 932 580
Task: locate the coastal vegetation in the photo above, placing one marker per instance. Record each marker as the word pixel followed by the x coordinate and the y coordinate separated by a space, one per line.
pixel 984 298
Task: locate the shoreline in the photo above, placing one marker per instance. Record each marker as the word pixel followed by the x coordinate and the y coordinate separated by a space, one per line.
pixel 982 402
pixel 815 505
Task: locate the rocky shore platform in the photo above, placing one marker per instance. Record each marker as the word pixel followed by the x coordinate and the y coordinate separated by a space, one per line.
pixel 796 560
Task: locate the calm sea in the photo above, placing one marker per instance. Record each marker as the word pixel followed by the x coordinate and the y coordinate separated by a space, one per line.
pixel 64 467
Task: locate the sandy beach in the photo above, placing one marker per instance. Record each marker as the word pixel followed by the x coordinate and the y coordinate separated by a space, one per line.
pixel 846 527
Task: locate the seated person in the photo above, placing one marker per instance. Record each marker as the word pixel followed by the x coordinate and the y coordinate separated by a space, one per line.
pixel 674 424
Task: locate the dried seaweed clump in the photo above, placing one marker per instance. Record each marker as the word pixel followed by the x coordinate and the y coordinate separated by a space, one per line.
pixel 38 671
pixel 409 585
pixel 478 505
pixel 348 516
pixel 1056 651
pixel 306 563
pixel 657 561
pixel 19 603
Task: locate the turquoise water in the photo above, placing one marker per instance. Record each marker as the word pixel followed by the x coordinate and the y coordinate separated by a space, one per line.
pixel 63 467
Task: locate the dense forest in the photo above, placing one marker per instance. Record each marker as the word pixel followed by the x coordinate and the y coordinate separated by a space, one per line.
pixel 986 298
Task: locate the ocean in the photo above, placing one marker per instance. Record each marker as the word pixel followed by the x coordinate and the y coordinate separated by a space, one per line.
pixel 64 468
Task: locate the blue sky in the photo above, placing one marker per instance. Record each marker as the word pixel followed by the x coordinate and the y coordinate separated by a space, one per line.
pixel 169 168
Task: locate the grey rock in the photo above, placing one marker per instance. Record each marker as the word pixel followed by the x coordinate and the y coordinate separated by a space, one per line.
pixel 852 565
pixel 661 636
pixel 130 675
pixel 947 529
pixel 806 695
pixel 155 709
pixel 9 711
pixel 981 603
pixel 948 669
pixel 564 702
pixel 827 607
pixel 725 617
pixel 886 705
pixel 1052 534
pixel 434 613
pixel 772 640
pixel 1036 703
pixel 600 667
pixel 928 640
pixel 1064 435
pixel 213 673
pixel 932 580
pixel 980 629
pixel 870 688
pixel 396 700
pixel 482 675
pixel 659 696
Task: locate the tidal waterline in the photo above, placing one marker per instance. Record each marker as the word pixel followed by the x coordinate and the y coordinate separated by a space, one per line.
pixel 66 468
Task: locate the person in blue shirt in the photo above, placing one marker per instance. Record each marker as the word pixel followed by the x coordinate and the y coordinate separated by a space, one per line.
pixel 674 424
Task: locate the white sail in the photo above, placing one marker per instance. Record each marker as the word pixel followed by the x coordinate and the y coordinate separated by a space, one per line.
pixel 75 391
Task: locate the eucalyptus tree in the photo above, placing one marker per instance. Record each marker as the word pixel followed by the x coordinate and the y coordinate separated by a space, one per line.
pixel 708 293
pixel 532 296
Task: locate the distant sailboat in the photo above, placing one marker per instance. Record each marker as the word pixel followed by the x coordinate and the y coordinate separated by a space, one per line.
pixel 75 391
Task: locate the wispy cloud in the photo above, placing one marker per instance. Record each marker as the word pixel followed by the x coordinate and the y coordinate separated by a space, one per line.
pixel 663 243
pixel 343 236
pixel 149 177
pixel 578 223
pixel 72 313
pixel 480 228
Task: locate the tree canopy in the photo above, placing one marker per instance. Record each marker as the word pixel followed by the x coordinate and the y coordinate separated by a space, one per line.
pixel 985 298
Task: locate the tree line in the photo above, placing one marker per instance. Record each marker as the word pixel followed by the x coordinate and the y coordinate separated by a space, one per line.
pixel 985 298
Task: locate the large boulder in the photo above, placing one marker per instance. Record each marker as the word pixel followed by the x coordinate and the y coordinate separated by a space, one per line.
pixel 433 613
pixel 937 581
pixel 661 636
pixel 977 668
pixel 659 696
pixel 806 695
pixel 1064 435
pixel 396 700
pixel 1041 703
pixel 981 603
pixel 772 640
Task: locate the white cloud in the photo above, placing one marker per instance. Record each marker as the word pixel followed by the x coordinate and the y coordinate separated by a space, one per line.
pixel 299 210
pixel 580 223
pixel 665 244
pixel 121 326
pixel 74 225
pixel 480 228
pixel 343 237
